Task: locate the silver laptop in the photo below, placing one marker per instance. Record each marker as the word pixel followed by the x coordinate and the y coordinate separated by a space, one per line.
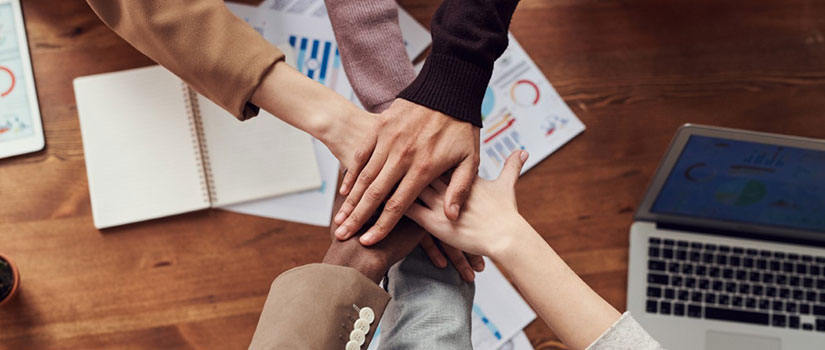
pixel 727 250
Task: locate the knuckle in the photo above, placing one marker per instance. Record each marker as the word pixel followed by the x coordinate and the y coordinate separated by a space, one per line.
pixel 394 135
pixel 373 195
pixel 349 203
pixel 463 191
pixel 355 218
pixel 361 156
pixel 406 153
pixel 425 167
pixel 365 177
pixel 394 206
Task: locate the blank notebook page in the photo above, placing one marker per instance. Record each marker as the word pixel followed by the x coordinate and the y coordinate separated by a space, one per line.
pixel 141 158
pixel 257 158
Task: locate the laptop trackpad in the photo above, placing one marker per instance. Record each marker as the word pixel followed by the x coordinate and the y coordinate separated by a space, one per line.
pixel 736 341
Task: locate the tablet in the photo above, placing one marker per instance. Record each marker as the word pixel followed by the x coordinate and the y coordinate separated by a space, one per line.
pixel 20 128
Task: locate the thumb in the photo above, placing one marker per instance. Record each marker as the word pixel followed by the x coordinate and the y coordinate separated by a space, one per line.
pixel 512 168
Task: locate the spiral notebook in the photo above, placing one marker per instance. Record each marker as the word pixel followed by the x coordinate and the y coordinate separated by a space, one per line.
pixel 155 148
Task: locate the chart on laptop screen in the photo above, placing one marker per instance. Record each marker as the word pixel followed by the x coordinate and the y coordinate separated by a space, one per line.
pixel 15 120
pixel 747 182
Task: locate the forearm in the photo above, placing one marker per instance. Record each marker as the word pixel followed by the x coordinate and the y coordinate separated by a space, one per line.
pixel 300 101
pixel 372 49
pixel 568 305
pixel 468 36
pixel 200 41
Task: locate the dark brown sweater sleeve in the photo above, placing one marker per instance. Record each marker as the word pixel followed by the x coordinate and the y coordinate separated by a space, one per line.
pixel 468 36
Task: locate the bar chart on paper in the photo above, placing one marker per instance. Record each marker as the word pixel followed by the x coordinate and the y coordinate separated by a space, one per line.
pixel 320 60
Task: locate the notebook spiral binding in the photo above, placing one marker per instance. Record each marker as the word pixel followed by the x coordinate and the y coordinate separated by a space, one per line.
pixel 199 146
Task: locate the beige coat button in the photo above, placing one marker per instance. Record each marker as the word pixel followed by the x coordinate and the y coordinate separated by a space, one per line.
pixel 362 325
pixel 367 314
pixel 351 345
pixel 358 337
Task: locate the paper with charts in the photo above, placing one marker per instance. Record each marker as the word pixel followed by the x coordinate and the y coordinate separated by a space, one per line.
pixel 522 110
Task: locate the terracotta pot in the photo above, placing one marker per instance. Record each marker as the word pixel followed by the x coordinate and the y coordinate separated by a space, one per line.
pixel 15 273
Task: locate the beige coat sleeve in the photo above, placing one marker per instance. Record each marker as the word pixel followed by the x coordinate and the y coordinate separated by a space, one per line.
pixel 315 307
pixel 201 41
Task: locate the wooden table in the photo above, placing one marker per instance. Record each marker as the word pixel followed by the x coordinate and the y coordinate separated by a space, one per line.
pixel 633 71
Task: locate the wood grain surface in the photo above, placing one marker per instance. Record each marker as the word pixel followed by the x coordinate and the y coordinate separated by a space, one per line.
pixel 633 71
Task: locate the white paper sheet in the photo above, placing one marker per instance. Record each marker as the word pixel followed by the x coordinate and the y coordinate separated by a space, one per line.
pixel 499 313
pixel 518 342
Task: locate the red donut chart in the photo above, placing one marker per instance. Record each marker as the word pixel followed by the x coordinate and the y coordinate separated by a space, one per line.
pixel 530 84
pixel 11 75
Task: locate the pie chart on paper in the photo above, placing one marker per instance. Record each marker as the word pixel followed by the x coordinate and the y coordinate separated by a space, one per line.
pixel 7 81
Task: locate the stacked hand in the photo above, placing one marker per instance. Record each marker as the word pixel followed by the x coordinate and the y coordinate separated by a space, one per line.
pixel 406 146
pixel 408 143
pixel 375 260
pixel 414 145
pixel 476 231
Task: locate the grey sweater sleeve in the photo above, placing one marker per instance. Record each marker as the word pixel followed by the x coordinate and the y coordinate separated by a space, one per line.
pixel 626 333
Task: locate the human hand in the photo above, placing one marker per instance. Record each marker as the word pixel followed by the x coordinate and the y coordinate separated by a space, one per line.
pixel 374 261
pixel 350 136
pixel 414 146
pixel 490 216
pixel 465 264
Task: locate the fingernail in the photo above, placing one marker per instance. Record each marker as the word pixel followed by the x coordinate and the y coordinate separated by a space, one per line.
pixel 442 263
pixel 468 274
pixel 366 238
pixel 524 155
pixel 455 208
pixel 343 188
pixel 479 266
pixel 339 218
pixel 341 232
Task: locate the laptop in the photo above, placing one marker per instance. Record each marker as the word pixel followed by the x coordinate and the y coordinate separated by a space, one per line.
pixel 727 249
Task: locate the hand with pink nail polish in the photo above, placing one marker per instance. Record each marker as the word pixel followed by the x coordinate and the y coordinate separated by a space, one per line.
pixel 414 146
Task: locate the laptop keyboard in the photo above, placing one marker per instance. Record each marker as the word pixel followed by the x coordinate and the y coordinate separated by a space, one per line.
pixel 736 284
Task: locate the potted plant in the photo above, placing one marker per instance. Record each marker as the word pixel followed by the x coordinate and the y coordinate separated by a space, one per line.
pixel 9 279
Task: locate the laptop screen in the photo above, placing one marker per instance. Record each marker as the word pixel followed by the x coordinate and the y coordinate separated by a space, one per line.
pixel 746 182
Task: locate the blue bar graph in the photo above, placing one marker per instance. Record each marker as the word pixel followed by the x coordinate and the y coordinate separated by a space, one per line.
pixel 493 329
pixel 318 59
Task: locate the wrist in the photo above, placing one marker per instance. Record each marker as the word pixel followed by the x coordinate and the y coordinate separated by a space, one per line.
pixel 332 118
pixel 284 92
pixel 515 234
pixel 368 265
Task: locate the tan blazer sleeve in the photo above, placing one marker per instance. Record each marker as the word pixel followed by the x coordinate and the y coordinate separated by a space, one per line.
pixel 314 307
pixel 201 41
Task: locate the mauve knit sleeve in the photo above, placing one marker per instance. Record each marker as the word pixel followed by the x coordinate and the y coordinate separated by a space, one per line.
pixel 468 36
pixel 372 49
